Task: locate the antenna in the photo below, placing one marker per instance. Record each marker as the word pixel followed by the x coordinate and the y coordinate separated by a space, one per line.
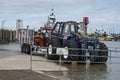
pixel 3 24
pixel 52 10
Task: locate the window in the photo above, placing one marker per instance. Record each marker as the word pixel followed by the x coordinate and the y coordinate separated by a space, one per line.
pixel 73 29
pixel 66 30
pixel 56 29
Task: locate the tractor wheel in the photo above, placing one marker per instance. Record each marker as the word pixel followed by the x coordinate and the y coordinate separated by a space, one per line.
pixel 28 49
pixel 72 53
pixel 51 52
pixel 23 48
pixel 103 54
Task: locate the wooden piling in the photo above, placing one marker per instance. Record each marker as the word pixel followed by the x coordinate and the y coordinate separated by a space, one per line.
pixel 7 36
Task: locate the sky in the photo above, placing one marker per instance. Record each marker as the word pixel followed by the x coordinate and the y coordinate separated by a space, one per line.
pixel 103 14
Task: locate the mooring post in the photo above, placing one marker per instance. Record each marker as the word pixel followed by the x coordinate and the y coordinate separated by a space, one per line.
pixel 110 60
pixel 87 61
pixel 60 62
pixel 115 49
pixel 30 58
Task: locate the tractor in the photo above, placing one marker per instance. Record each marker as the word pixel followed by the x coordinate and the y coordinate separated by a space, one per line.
pixel 68 43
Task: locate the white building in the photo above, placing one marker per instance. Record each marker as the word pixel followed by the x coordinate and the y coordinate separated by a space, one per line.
pixel 19 25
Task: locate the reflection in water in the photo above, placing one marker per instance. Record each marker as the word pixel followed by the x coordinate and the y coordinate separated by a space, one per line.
pixel 10 46
pixel 92 72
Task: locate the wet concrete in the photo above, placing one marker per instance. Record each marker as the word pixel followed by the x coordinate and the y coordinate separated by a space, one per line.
pixel 23 75
pixel 4 53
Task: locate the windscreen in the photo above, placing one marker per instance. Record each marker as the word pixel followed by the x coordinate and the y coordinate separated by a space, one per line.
pixel 68 29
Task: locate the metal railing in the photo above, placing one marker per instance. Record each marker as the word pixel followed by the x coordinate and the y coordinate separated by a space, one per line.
pixel 111 56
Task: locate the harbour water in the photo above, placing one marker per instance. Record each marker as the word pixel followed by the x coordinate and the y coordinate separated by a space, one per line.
pixel 108 71
pixel 10 47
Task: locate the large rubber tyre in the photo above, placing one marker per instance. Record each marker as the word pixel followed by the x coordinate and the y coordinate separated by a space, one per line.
pixel 28 49
pixel 72 53
pixel 103 54
pixel 23 48
pixel 100 56
pixel 54 43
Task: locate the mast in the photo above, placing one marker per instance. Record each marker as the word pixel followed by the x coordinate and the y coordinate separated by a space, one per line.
pixel 51 20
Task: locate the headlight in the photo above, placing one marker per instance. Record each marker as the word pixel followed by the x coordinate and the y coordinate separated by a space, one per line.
pixel 50 49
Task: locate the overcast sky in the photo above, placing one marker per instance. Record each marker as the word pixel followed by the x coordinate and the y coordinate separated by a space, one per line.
pixel 103 14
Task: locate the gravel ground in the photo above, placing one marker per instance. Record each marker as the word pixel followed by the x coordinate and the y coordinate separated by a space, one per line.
pixel 23 75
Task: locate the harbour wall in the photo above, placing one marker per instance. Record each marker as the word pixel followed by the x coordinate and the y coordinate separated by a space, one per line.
pixel 7 36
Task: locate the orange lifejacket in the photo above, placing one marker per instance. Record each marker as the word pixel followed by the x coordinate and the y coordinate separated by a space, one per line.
pixel 39 39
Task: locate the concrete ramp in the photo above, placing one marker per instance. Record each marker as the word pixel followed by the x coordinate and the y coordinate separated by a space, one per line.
pixel 18 61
